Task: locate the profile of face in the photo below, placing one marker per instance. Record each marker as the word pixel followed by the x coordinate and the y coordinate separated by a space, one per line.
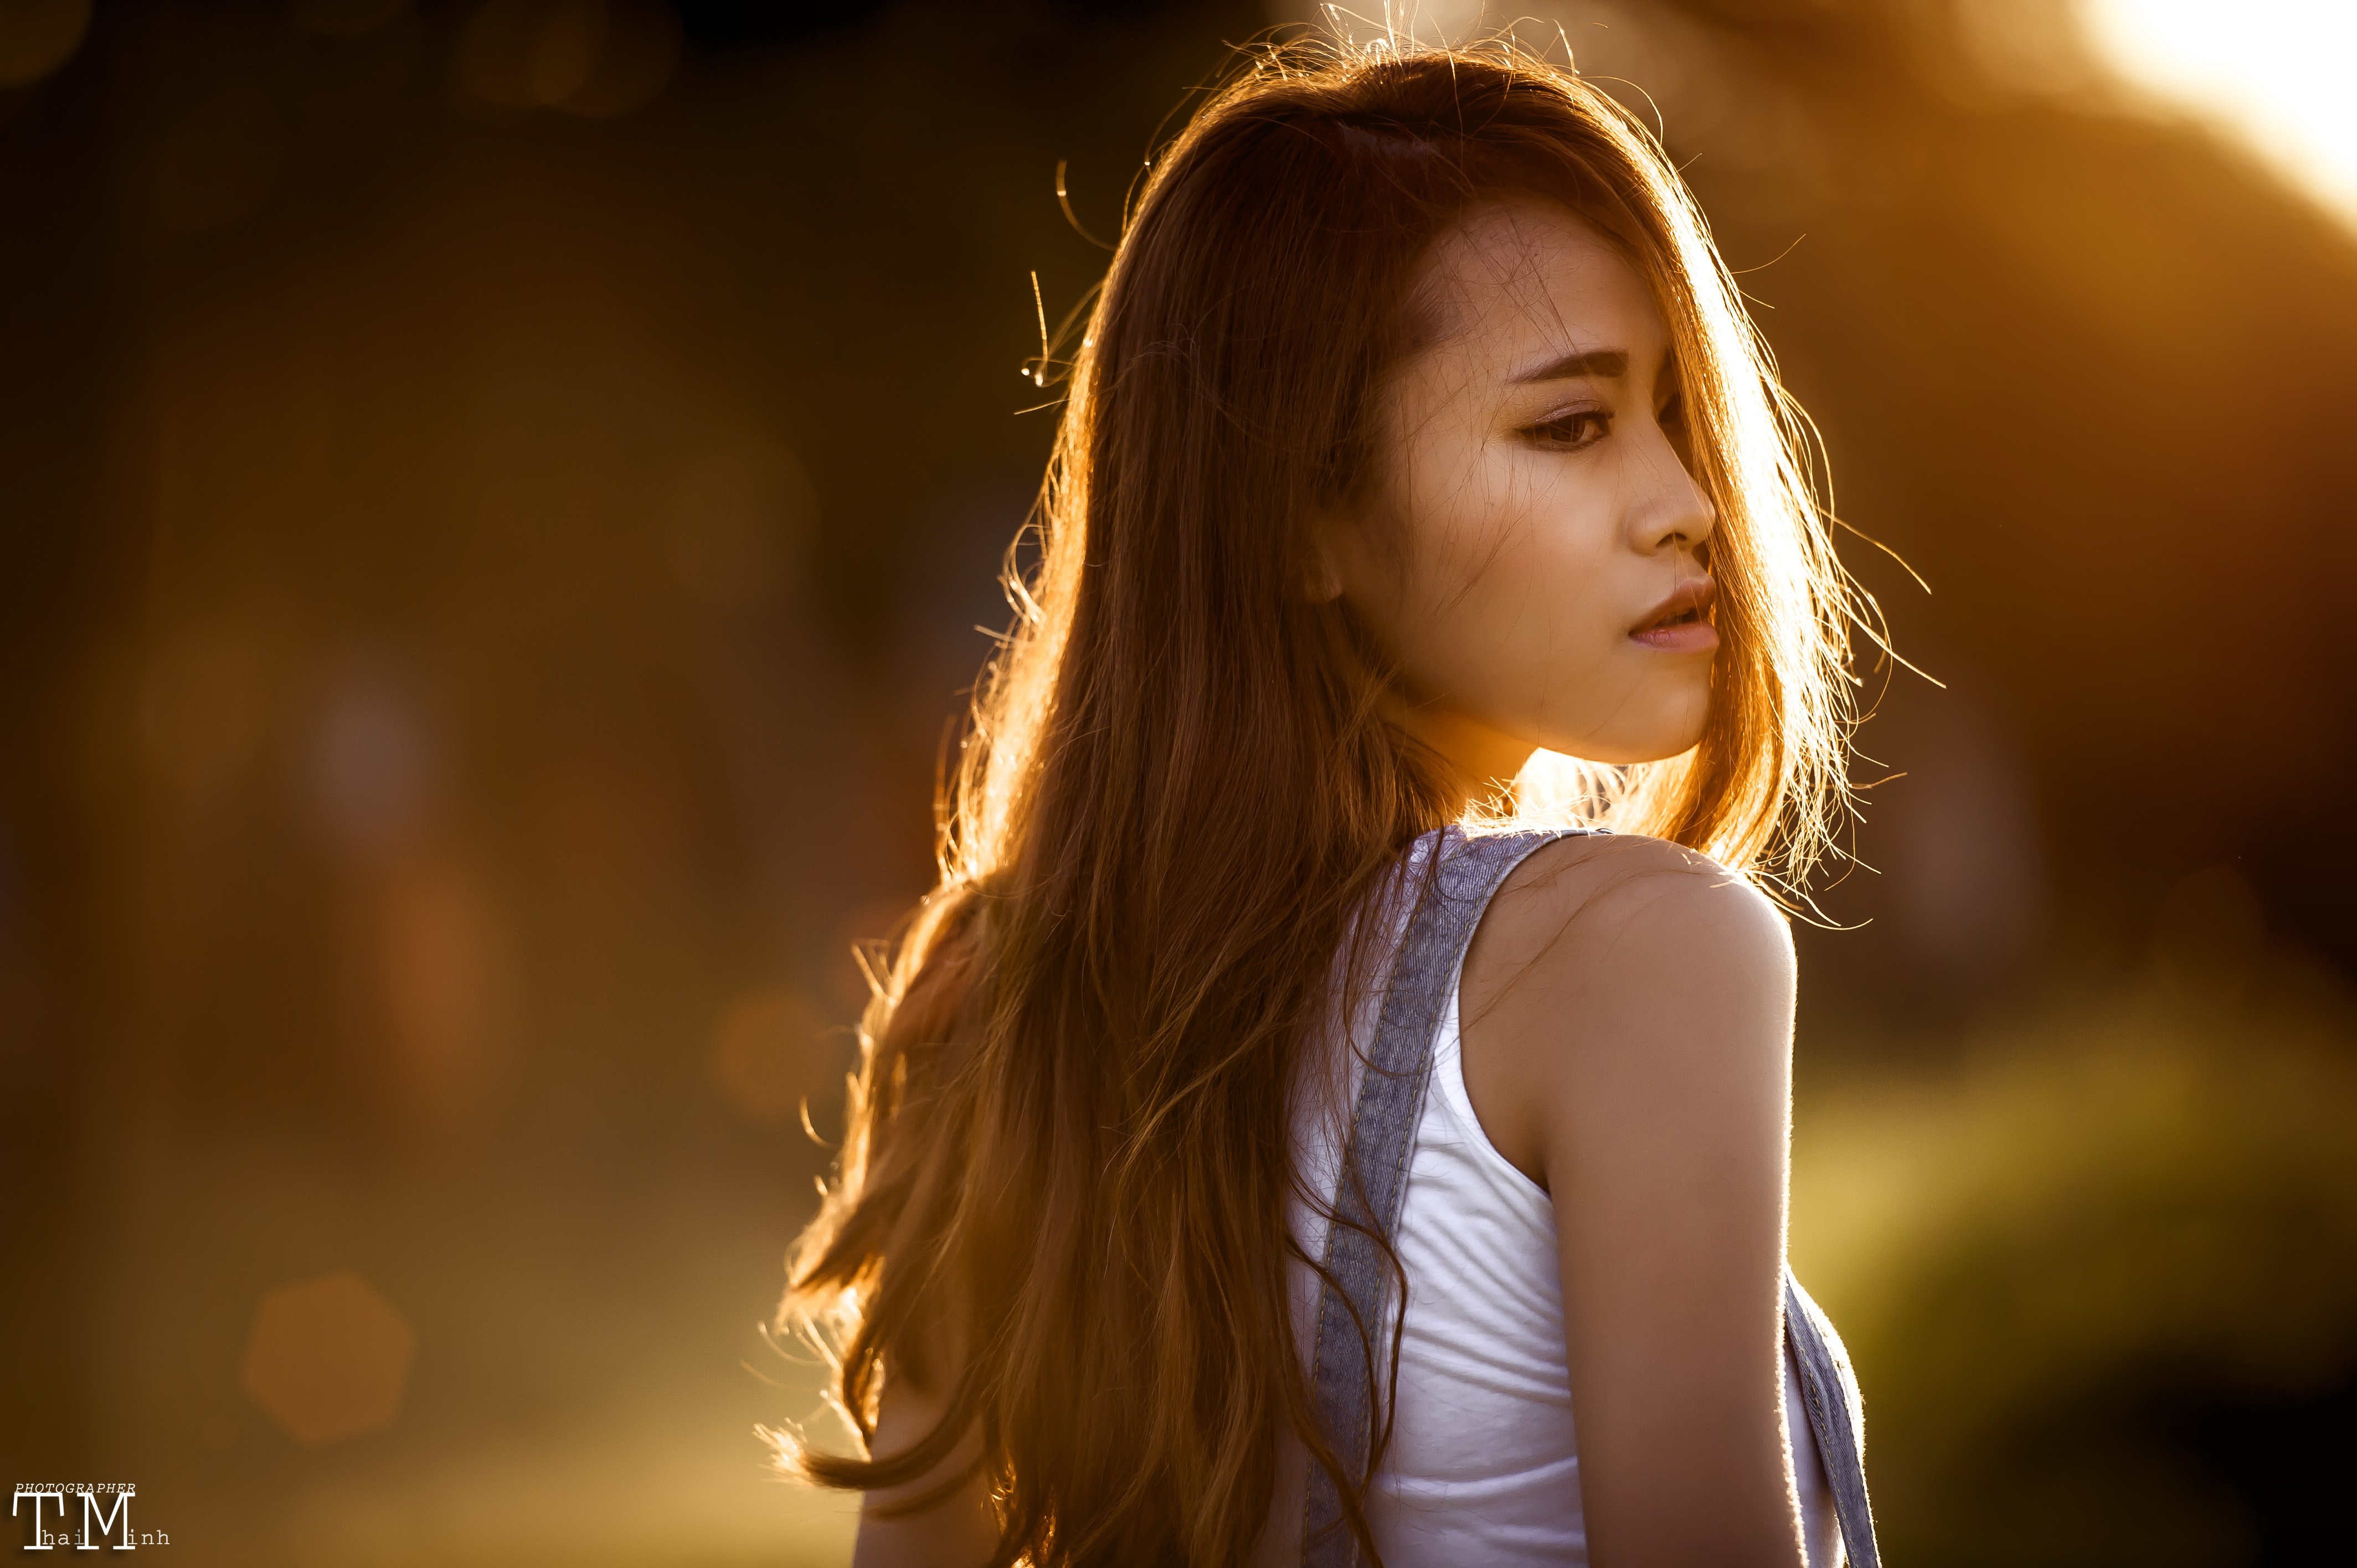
pixel 1534 556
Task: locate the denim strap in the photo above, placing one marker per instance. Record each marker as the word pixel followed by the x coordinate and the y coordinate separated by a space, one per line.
pixel 1458 882
pixel 1836 1414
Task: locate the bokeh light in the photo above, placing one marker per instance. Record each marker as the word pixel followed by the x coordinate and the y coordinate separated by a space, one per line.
pixel 767 1058
pixel 328 1358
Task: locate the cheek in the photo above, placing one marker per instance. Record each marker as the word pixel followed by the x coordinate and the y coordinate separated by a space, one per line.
pixel 1510 569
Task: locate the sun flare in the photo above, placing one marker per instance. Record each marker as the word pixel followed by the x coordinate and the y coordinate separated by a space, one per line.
pixel 2273 72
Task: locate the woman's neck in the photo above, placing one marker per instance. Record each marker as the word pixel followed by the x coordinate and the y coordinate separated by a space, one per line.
pixel 1478 762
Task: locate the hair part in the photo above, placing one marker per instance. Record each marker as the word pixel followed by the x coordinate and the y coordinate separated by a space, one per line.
pixel 1069 1149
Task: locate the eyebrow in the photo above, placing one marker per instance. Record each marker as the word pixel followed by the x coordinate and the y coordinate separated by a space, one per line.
pixel 1602 364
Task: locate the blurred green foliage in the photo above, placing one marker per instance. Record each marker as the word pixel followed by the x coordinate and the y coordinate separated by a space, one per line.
pixel 2097 1271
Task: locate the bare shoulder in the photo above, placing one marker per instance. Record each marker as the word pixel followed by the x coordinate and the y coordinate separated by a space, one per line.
pixel 1627 1045
pixel 1614 910
pixel 1611 978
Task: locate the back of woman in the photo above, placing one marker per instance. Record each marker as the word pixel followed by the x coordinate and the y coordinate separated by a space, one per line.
pixel 1242 1167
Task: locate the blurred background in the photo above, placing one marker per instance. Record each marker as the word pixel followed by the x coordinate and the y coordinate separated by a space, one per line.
pixel 500 499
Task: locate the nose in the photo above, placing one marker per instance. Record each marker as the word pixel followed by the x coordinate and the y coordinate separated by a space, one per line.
pixel 1671 511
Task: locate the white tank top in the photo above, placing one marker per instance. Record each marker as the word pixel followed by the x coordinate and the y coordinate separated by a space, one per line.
pixel 1483 1465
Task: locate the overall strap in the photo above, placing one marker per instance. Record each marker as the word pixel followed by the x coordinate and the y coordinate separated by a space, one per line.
pixel 1837 1415
pixel 1460 874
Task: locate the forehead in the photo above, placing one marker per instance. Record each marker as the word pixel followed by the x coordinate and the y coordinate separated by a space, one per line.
pixel 1522 281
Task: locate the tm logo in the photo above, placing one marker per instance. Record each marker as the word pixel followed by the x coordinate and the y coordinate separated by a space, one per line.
pixel 105 1517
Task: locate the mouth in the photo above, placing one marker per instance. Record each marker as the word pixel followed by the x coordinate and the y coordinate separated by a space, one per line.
pixel 1681 623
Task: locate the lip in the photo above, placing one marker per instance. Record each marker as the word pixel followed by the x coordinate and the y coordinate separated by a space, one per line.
pixel 1663 631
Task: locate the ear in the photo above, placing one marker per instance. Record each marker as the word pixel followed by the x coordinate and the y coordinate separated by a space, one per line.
pixel 1321 577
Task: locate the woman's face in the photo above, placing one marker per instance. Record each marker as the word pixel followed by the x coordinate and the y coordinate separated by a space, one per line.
pixel 1536 559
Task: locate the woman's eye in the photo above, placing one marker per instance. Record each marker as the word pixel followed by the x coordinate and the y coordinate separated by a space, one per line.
pixel 1584 428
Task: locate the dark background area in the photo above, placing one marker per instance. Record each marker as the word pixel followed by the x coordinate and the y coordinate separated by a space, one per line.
pixel 498 503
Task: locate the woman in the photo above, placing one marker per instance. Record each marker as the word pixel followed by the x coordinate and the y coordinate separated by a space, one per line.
pixel 1416 435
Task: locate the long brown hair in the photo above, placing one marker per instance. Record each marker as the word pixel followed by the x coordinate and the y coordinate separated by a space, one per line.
pixel 1068 1147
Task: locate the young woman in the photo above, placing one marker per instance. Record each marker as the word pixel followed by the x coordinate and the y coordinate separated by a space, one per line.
pixel 1270 1148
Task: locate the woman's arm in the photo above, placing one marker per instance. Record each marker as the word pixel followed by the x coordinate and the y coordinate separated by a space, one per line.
pixel 1628 1011
pixel 956 1532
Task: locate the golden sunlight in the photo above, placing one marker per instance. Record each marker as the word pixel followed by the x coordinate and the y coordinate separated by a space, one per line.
pixel 2273 72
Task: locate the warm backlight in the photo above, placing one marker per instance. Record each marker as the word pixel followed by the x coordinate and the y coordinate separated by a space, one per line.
pixel 2275 72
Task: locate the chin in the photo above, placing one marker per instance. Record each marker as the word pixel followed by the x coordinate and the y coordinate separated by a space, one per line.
pixel 1667 751
pixel 1628 753
pixel 1675 730
pixel 1683 722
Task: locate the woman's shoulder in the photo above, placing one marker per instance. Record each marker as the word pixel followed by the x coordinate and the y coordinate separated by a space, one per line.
pixel 1627 999
pixel 1621 909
